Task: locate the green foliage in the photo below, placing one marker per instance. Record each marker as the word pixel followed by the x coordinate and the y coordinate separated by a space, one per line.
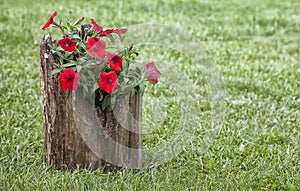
pixel 131 77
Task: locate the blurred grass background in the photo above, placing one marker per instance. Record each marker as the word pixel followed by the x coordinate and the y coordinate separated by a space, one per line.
pixel 256 47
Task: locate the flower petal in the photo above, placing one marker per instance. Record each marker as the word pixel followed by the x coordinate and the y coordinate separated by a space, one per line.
pixel 96 47
pixel 67 44
pixel 107 33
pixel 108 81
pixel 114 61
pixel 50 21
pixel 69 79
pixel 96 26
pixel 153 73
pixel 120 32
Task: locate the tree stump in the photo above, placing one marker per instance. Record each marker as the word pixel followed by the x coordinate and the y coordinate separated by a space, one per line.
pixel 77 133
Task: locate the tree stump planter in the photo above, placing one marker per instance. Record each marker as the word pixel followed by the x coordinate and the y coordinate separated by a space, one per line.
pixel 77 133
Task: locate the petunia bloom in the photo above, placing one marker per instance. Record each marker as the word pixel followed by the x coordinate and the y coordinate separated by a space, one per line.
pixel 50 21
pixel 69 79
pixel 108 81
pixel 153 73
pixel 114 61
pixel 96 26
pixel 120 32
pixel 67 44
pixel 96 47
pixel 108 33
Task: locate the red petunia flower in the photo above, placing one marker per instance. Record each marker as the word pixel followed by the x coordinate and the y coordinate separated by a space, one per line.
pixel 96 26
pixel 50 21
pixel 120 32
pixel 108 81
pixel 67 44
pixel 96 47
pixel 114 61
pixel 153 73
pixel 69 79
pixel 108 34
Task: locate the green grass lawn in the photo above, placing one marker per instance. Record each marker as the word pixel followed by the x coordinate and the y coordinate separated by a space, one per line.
pixel 256 47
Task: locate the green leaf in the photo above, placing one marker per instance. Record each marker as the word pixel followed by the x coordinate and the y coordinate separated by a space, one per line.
pixel 78 21
pixel 95 87
pixel 69 24
pixel 53 47
pixel 126 80
pixel 82 45
pixel 78 68
pixel 75 37
pixel 112 102
pixel 106 102
pixel 55 71
pixel 142 88
pixel 57 65
pixel 125 65
pixel 100 68
pixel 91 74
pixel 53 51
pixel 133 92
pixel 85 90
pixel 69 64
pixel 64 27
pixel 81 60
pixel 59 54
pixel 68 54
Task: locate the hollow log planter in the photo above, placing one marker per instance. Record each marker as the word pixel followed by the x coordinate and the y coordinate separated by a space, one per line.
pixel 79 134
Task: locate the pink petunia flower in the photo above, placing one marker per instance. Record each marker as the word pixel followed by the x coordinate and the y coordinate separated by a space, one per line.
pixel 153 73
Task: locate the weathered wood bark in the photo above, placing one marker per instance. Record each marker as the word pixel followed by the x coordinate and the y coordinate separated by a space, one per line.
pixel 78 133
